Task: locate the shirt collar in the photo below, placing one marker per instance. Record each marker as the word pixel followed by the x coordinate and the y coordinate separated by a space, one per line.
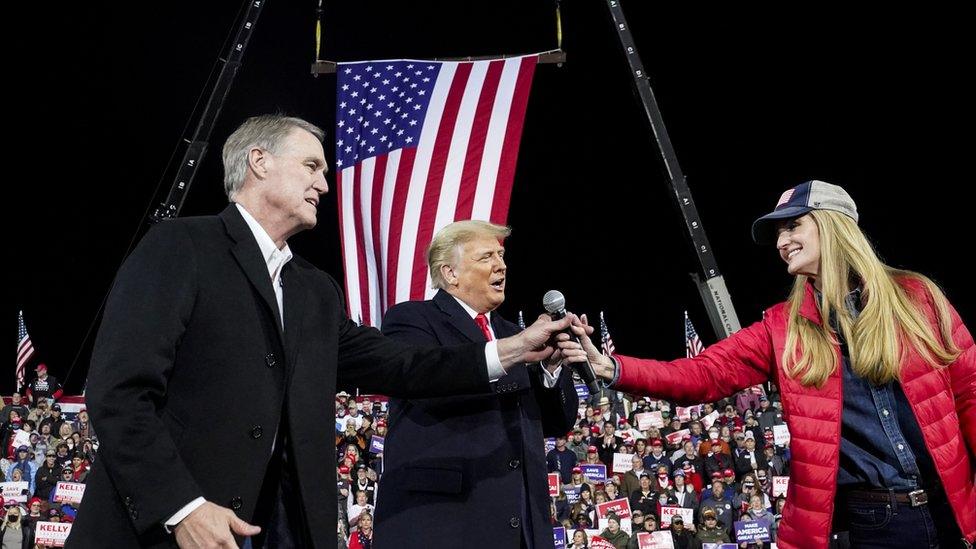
pixel 471 312
pixel 269 252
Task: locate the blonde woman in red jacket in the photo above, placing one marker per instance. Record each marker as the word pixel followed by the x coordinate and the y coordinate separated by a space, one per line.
pixel 878 379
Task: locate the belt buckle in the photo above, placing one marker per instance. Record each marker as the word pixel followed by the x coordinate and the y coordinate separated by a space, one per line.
pixel 918 497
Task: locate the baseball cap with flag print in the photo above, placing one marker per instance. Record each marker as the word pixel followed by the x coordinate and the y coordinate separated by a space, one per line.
pixel 800 200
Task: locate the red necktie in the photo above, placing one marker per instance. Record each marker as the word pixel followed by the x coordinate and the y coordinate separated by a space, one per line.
pixel 482 321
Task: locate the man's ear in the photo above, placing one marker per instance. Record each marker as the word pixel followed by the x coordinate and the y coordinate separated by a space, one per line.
pixel 257 162
pixel 449 274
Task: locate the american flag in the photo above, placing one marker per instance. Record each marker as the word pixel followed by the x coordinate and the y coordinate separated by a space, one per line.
pixel 606 344
pixel 25 349
pixel 419 145
pixel 693 345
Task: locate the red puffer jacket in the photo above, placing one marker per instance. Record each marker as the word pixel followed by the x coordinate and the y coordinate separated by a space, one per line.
pixel 944 402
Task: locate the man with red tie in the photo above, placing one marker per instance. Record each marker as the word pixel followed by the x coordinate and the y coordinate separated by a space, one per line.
pixel 450 459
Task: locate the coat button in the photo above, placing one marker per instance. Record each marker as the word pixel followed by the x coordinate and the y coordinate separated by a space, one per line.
pixel 514 522
pixel 236 503
pixel 256 432
pixel 128 501
pixel 134 514
pixel 513 464
pixel 270 360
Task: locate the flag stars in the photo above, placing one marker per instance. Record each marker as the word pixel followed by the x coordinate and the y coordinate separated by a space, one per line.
pixel 369 68
pixel 409 140
pixel 371 149
pixel 345 87
pixel 426 79
pixel 357 78
pixel 348 71
pixel 374 131
pixel 355 94
pixel 422 92
pixel 352 111
pixel 383 138
pixel 398 74
pixel 413 122
pixel 417 107
pixel 386 82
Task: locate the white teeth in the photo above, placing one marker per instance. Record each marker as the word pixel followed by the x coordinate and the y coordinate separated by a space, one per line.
pixel 794 252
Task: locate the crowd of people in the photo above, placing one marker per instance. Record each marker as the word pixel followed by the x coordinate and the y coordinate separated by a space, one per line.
pixel 722 469
pixel 42 446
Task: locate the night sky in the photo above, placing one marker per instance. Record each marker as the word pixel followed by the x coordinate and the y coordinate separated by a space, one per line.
pixel 755 102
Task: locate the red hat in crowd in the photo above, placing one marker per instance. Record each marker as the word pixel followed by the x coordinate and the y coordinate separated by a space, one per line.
pixel 591 450
pixel 769 445
pixel 595 430
pixel 344 469
pixel 41 367
pixel 686 437
pixel 716 476
pixel 622 421
pixel 33 501
pixel 729 473
pixel 577 470
pixel 737 429
pixel 656 442
pixel 381 423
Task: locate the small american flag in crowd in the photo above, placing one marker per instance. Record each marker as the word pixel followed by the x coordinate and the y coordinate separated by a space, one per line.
pixel 606 344
pixel 693 345
pixel 419 145
pixel 25 349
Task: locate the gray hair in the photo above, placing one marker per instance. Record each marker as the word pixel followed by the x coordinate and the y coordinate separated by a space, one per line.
pixel 267 132
pixel 444 248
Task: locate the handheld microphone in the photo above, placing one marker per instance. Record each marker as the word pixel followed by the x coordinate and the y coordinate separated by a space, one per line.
pixel 555 304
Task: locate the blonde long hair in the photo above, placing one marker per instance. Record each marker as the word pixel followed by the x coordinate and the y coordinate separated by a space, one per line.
pixel 889 319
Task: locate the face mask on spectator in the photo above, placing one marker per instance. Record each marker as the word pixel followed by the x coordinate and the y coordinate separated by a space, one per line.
pixel 713 435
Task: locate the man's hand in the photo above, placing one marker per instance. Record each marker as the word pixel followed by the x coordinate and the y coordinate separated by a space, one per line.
pixel 211 525
pixel 533 344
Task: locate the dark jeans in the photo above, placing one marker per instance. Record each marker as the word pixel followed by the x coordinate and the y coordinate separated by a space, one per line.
pixel 892 525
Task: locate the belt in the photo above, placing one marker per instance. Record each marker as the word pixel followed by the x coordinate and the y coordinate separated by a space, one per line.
pixel 915 497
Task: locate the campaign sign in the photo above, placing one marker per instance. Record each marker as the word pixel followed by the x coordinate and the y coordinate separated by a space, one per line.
pixel 572 494
pixel 51 534
pixel 596 542
pixel 780 484
pixel 15 491
pixel 623 462
pixel 655 540
pixel 559 537
pixel 781 435
pixel 69 492
pixel 669 511
pixel 22 438
pixel 376 444
pixel 708 420
pixel 722 546
pixel 684 412
pixel 675 437
pixel 621 507
pixel 550 445
pixel 554 484
pixel 751 530
pixel 582 391
pixel 595 472
pixel 651 419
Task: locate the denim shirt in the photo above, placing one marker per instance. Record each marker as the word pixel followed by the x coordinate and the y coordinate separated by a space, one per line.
pixel 881 444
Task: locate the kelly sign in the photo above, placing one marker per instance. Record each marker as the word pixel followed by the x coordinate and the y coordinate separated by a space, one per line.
pixel 780 484
pixel 51 534
pixel 669 511
pixel 69 492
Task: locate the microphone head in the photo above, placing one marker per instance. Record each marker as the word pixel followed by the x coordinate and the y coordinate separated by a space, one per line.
pixel 554 302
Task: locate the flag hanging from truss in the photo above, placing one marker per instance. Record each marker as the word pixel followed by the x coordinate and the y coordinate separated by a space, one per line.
pixel 693 345
pixel 419 145
pixel 606 344
pixel 25 349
